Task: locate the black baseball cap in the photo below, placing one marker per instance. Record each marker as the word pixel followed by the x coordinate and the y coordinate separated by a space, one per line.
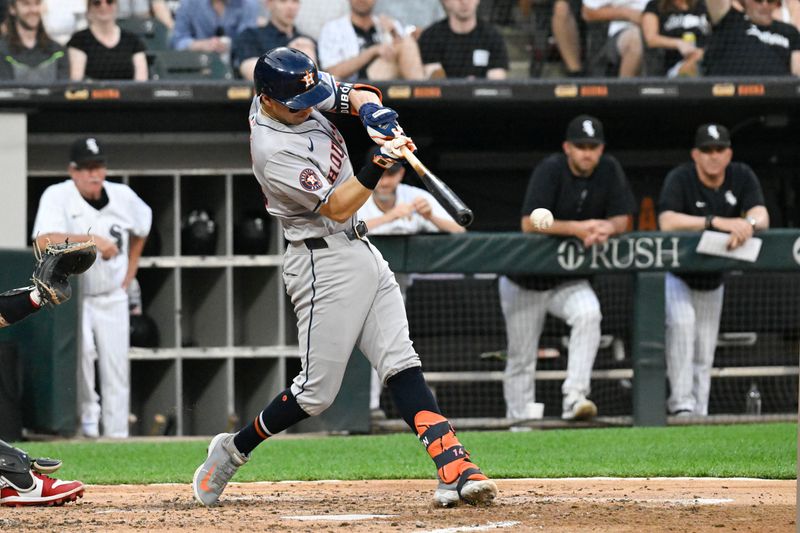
pixel 585 129
pixel 712 135
pixel 86 150
pixel 373 151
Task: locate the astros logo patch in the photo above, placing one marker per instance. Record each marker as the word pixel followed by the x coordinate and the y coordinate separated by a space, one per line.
pixel 308 79
pixel 309 180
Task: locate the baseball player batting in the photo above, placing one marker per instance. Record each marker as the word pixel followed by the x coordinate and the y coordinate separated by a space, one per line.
pixel 341 287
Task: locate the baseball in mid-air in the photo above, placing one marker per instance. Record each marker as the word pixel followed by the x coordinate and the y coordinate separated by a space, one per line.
pixel 541 218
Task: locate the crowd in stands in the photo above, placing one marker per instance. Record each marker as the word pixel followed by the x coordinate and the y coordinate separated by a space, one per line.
pixel 46 40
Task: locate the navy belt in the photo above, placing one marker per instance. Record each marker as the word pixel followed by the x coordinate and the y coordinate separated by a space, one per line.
pixel 356 232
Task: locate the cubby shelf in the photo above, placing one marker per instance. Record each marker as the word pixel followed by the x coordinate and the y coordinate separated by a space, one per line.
pixel 225 325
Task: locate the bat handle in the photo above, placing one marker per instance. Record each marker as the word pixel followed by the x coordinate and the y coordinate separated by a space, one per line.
pixel 419 168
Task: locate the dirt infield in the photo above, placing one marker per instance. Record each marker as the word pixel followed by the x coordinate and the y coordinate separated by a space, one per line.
pixel 640 505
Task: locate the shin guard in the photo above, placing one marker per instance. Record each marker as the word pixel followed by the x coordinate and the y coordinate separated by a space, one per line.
pixel 451 459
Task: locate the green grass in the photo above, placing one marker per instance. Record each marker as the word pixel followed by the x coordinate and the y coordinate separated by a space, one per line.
pixel 758 450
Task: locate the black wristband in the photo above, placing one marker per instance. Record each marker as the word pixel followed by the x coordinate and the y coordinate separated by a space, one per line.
pixel 369 175
pixel 709 221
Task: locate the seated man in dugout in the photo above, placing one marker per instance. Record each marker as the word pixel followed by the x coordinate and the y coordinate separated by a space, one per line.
pixel 363 45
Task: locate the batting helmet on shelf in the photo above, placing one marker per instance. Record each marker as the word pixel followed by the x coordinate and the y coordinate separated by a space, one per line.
pixel 251 235
pixel 144 331
pixel 290 77
pixel 199 233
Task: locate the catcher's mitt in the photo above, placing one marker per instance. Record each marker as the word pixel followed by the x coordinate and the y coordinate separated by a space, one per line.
pixel 56 263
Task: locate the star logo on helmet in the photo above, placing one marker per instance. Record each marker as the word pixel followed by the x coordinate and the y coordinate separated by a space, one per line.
pixel 308 79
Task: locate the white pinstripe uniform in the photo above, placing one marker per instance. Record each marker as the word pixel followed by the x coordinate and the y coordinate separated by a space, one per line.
pixel 525 311
pixel 694 302
pixel 414 223
pixel 105 321
pixel 691 339
pixel 526 300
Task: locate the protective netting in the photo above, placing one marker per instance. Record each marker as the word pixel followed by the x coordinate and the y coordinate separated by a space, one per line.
pixel 458 329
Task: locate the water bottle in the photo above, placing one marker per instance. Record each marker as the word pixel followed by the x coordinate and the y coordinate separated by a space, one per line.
pixel 753 403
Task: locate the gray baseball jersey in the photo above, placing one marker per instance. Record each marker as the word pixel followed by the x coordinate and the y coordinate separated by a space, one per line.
pixel 298 167
pixel 343 293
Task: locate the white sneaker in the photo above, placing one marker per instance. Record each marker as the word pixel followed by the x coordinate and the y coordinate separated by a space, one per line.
pixel 474 492
pixel 90 430
pixel 578 407
pixel 211 477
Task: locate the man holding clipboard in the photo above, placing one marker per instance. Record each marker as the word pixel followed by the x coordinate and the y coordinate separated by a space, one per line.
pixel 708 193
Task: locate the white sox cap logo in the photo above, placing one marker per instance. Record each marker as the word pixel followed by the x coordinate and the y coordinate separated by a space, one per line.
pixel 91 145
pixel 588 127
pixel 713 131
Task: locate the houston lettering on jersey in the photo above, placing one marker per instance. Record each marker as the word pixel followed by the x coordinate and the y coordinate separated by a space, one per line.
pixel 337 159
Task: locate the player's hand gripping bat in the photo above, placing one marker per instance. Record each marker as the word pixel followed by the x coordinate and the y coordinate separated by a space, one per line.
pixel 443 194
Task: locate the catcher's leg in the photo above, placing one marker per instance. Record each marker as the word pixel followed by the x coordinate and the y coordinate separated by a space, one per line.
pixel 17 304
pixel 23 482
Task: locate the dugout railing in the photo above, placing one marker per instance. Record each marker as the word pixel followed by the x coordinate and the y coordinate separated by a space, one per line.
pixel 762 306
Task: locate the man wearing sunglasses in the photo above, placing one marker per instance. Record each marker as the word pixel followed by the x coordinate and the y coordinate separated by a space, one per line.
pixel 590 199
pixel 750 43
pixel 709 193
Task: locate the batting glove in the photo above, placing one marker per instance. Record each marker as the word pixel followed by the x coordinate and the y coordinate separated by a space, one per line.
pixel 381 122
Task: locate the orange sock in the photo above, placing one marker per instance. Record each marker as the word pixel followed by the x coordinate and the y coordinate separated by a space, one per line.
pixel 439 438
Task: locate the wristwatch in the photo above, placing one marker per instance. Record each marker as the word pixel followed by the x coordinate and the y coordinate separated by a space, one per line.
pixel 752 222
pixel 709 221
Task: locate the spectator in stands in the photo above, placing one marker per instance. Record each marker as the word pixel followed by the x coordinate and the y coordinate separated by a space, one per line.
pixel 163 12
pixel 414 15
pixel 709 193
pixel 133 8
pixel 680 28
pixel 564 26
pixel 395 208
pixel 363 45
pixel 314 14
pixel 279 31
pixel 750 43
pixel 624 50
pixel 211 25
pixel 463 46
pixel 788 11
pixel 589 196
pixel 62 18
pixel 27 53
pixel 104 51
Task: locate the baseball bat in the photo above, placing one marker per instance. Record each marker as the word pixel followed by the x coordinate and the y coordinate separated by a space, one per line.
pixel 454 205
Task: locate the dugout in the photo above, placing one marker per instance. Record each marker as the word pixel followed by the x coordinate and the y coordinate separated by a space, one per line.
pixel 183 145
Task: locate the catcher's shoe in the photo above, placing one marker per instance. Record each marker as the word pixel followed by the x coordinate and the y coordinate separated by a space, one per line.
pixel 211 477
pixel 45 491
pixel 56 263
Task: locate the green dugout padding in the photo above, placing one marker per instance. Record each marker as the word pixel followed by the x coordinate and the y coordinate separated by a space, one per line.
pixel 646 255
pixel 516 253
pixel 47 347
